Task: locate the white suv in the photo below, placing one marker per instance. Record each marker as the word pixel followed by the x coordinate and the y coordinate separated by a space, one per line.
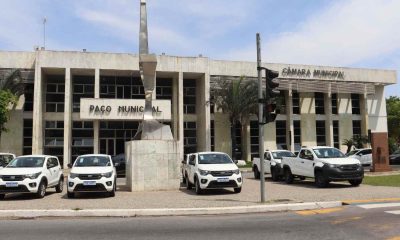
pixel 92 173
pixel 31 174
pixel 211 170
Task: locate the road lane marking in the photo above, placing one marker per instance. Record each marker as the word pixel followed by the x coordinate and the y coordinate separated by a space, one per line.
pixel 397 212
pixel 378 205
pixel 319 211
pixel 345 220
pixel 394 238
pixel 371 200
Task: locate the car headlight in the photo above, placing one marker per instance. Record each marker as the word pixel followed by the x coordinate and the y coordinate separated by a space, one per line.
pixel 33 175
pixel 73 175
pixel 107 175
pixel 237 171
pixel 203 172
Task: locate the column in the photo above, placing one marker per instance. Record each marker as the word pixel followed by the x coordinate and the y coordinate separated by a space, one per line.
pixel 246 144
pixel 96 123
pixel 180 113
pixel 67 118
pixel 328 121
pixel 203 113
pixel 289 120
pixel 345 118
pixel 364 114
pixel 308 119
pixel 37 127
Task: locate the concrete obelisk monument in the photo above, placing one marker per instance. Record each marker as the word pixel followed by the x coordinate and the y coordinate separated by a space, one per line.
pixel 153 158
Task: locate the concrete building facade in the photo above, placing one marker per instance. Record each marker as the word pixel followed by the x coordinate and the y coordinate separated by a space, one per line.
pixel 320 105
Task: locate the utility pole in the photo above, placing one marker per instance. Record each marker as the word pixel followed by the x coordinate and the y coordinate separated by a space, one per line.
pixel 44 32
pixel 260 120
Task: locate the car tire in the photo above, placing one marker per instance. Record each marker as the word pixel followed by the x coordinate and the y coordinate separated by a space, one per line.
pixel 320 180
pixel 70 194
pixel 288 176
pixel 183 179
pixel 355 183
pixel 197 187
pixel 112 193
pixel 256 172
pixel 41 192
pixel 188 184
pixel 237 190
pixel 60 185
pixel 2 196
pixel 274 174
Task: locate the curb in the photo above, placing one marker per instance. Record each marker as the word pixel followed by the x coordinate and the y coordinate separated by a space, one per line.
pixel 166 211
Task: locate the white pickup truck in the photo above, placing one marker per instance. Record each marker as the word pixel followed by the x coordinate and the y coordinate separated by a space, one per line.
pixel 325 164
pixel 272 163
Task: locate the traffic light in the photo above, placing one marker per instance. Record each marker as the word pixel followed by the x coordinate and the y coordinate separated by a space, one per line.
pixel 271 95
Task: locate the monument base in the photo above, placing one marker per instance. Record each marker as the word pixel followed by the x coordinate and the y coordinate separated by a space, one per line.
pixel 152 165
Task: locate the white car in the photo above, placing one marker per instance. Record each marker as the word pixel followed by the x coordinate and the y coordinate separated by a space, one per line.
pixel 92 173
pixel 212 170
pixel 272 163
pixel 31 174
pixel 364 155
pixel 5 158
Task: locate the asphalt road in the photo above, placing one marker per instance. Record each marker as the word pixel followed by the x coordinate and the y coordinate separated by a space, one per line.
pixel 349 222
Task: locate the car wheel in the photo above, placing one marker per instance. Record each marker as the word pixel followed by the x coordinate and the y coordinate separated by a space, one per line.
pixel 355 183
pixel 112 193
pixel 41 192
pixel 197 187
pixel 288 176
pixel 183 179
pixel 60 185
pixel 188 184
pixel 256 173
pixel 320 180
pixel 274 174
pixel 2 196
pixel 70 194
pixel 237 190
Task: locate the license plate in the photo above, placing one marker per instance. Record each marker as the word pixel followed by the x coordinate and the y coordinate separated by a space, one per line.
pixel 89 183
pixel 11 184
pixel 222 179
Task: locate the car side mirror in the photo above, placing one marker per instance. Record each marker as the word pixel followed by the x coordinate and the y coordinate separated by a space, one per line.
pixel 69 165
pixel 116 164
pixel 235 161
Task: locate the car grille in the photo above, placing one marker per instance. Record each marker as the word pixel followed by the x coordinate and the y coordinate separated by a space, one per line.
pixel 350 167
pixel 215 184
pixel 95 188
pixel 19 189
pixel 89 176
pixel 221 173
pixel 12 178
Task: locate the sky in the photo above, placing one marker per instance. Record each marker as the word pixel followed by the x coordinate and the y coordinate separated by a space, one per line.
pixel 345 33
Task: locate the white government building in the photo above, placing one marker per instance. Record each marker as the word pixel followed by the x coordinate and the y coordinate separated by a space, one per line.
pixel 322 105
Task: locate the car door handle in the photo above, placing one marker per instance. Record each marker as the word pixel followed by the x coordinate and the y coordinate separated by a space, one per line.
pixel 302 161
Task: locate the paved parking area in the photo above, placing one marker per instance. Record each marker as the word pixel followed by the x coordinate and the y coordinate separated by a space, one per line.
pixel 276 192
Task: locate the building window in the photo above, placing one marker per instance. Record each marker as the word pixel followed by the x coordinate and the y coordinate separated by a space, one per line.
pixel 320 129
pixel 254 139
pixel 212 130
pixel 82 87
pixel 114 134
pixel 297 135
pixel 281 103
pixel 82 139
pixel 54 139
pixel 336 142
pixel 356 127
pixel 355 103
pixel 238 137
pixel 121 87
pixel 281 134
pixel 319 103
pixel 189 96
pixel 55 91
pixel 28 93
pixel 27 145
pixel 164 88
pixel 334 103
pixel 189 137
pixel 296 102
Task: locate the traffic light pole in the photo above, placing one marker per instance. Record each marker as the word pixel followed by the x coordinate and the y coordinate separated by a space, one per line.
pixel 260 121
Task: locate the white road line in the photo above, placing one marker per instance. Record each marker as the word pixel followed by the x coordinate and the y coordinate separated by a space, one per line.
pixel 394 212
pixel 379 205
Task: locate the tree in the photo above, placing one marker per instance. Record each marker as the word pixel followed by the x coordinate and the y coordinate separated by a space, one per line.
pixel 238 99
pixel 393 118
pixel 357 141
pixel 11 88
pixel 349 143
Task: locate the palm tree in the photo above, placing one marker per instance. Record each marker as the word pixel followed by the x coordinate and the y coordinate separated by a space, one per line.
pixel 11 88
pixel 237 98
pixel 360 141
pixel 349 143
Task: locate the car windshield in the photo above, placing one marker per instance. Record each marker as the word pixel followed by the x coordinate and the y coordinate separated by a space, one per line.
pixel 92 161
pixel 26 162
pixel 214 158
pixel 352 152
pixel 328 153
pixel 280 154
